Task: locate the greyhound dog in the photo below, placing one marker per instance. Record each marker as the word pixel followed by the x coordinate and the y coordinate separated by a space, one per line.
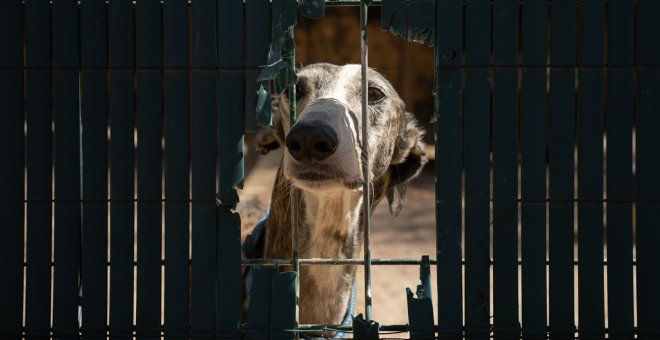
pixel 320 177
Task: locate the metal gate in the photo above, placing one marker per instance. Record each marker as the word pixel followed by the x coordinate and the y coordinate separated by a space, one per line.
pixel 117 222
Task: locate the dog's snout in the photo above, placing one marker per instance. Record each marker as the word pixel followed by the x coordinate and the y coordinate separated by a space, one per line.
pixel 308 141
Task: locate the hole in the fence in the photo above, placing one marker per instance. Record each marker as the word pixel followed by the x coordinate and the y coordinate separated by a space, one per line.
pixel 409 68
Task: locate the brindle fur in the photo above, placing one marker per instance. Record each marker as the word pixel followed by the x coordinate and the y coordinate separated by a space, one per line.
pixel 330 224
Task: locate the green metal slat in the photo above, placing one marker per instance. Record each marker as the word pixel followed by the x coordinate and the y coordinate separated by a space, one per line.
pixel 560 155
pixel 93 34
pixel 620 40
pixel 67 206
pixel 11 172
pixel 149 105
pixel 231 176
pixel 258 318
pixel 251 87
pixel 95 212
pixel 94 120
pixel 283 306
pixel 121 92
pixel 175 33
pixel 505 203
pixel 37 34
pixel 619 125
pixel 590 209
pixel 561 167
pixel 505 170
pixel 393 17
pixel 448 173
pixel 176 124
pixel 590 175
pixel 122 155
pixel 533 214
pixel 38 163
pixel 66 107
pixel 312 9
pixel 204 34
pixel 121 37
pixel 39 234
pixel 230 154
pixel 94 104
pixel 533 166
pixel 177 136
pixel 65 49
pixel 257 33
pixel 230 34
pixel 204 153
pixel 563 33
pixel 149 124
pixel 420 305
pixel 10 41
pixel 648 208
pixel 420 28
pixel 477 170
pixel 228 267
pixel 648 49
pixel 148 35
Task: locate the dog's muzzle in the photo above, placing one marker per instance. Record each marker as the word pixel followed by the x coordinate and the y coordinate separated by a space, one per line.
pixel 311 141
pixel 315 136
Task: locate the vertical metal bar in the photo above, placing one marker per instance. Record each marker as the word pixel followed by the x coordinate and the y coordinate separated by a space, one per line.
pixel 94 117
pixel 366 196
pixel 121 92
pixel 477 173
pixel 505 169
pixel 149 105
pixel 203 151
pixel 448 56
pixel 66 113
pixel 647 168
pixel 231 121
pixel 533 135
pixel 39 152
pixel 12 168
pixel 561 169
pixel 619 177
pixel 295 246
pixel 257 36
pixel 648 196
pixel 176 130
pixel 590 125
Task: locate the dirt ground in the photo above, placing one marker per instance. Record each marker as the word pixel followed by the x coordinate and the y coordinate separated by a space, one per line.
pixel 410 235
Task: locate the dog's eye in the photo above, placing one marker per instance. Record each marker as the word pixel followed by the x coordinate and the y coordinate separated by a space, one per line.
pixel 300 91
pixel 375 95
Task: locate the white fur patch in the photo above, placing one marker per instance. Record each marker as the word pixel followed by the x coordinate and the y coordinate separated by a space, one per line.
pixel 345 75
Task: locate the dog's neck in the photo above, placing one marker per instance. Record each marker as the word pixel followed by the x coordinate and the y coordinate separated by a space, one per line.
pixel 328 227
pixel 332 221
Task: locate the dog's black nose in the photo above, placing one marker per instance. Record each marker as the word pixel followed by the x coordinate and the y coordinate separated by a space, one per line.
pixel 308 141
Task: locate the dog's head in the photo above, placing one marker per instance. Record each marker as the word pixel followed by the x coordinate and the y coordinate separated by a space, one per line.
pixel 324 146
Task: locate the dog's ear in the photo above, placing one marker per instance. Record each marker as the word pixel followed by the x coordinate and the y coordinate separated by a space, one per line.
pixel 268 139
pixel 271 137
pixel 407 161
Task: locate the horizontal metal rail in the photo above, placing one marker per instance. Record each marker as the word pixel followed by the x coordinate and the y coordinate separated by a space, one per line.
pixel 303 328
pixel 358 262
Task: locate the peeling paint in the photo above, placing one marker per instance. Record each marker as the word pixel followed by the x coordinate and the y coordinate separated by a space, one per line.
pixel 412 20
pixel 279 69
pixel 313 9
pixel 263 107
